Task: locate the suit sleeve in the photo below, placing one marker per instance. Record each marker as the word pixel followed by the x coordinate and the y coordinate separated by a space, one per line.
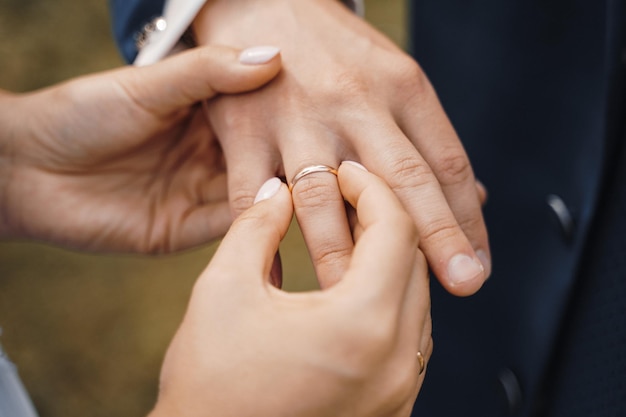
pixel 128 18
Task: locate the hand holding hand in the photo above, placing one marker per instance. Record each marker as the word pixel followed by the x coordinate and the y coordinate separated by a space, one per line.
pixel 124 160
pixel 246 348
pixel 346 93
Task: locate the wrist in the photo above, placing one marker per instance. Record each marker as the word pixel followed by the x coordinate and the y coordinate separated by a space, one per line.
pixel 228 21
pixel 244 23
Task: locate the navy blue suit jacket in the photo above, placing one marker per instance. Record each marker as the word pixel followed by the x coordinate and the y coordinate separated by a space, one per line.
pixel 529 86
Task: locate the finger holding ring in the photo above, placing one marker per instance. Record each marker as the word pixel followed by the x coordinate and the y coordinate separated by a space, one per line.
pixel 321 214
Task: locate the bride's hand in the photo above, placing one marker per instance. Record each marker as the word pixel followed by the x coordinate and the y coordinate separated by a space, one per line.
pixel 246 348
pixel 123 160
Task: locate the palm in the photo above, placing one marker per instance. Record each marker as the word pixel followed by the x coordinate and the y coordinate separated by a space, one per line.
pixel 145 182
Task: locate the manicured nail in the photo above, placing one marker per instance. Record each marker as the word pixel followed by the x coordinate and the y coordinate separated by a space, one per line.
pixel 268 190
pixel 462 268
pixel 355 164
pixel 484 259
pixel 258 55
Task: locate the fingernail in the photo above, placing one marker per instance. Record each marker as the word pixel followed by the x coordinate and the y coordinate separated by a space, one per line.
pixel 484 259
pixel 355 164
pixel 268 190
pixel 482 192
pixel 258 55
pixel 479 184
pixel 462 268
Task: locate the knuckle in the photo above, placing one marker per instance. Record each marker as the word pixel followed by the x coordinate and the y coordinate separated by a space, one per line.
pixel 453 168
pixel 409 77
pixel 254 220
pixel 251 220
pixel 240 200
pixel 229 117
pixel 342 89
pixel 437 231
pixel 473 225
pixel 330 253
pixel 225 115
pixel 408 172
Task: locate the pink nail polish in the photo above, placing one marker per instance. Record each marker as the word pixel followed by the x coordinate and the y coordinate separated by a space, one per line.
pixel 355 164
pixel 268 190
pixel 258 55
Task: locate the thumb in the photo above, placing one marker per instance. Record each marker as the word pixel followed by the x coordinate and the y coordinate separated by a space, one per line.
pixel 199 74
pixel 251 243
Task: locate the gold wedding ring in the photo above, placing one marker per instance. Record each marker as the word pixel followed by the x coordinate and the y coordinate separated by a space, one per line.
pixel 310 170
pixel 420 359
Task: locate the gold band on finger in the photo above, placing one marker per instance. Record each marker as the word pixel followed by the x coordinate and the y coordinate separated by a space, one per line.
pixel 422 362
pixel 310 170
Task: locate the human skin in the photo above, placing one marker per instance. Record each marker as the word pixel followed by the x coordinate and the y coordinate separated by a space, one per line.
pixel 346 93
pixel 122 161
pixel 125 161
pixel 346 350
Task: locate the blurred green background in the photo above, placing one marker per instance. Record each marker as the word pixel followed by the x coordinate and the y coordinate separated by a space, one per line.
pixel 88 332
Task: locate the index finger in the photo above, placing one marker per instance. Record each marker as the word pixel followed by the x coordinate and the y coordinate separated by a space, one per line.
pixel 249 247
pixel 383 259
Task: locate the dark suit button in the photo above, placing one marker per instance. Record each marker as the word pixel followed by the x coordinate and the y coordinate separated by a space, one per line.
pixel 562 215
pixel 511 390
